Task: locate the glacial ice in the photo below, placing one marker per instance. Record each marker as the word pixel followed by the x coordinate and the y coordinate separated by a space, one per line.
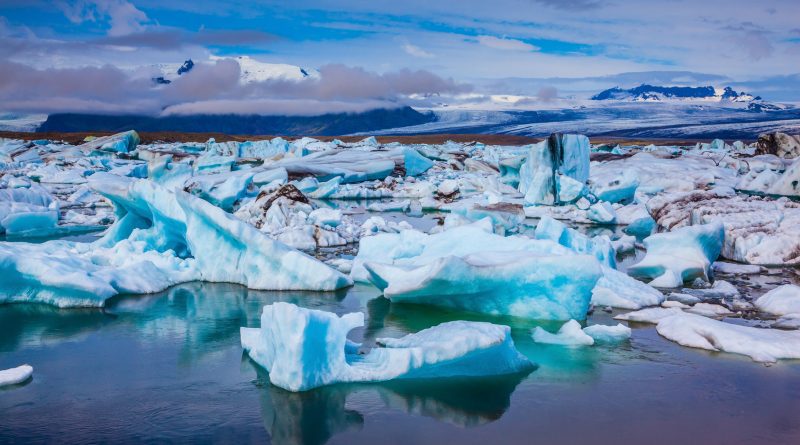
pixel 681 255
pixel 783 300
pixel 16 375
pixel 549 229
pixel 304 349
pixel 160 238
pixel 28 209
pixel 762 345
pixel 608 334
pixel 520 283
pixel 550 160
pixel 570 334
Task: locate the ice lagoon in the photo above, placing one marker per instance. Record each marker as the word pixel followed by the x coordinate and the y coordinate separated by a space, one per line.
pixel 476 270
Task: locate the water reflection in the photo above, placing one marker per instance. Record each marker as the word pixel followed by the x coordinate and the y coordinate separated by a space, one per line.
pixel 37 325
pixel 314 417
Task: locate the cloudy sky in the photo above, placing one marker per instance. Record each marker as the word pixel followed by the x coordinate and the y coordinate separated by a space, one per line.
pixel 97 54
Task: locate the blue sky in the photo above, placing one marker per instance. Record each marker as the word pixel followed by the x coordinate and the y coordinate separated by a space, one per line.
pixel 577 46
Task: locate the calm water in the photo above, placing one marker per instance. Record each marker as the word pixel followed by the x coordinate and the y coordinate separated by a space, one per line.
pixel 169 367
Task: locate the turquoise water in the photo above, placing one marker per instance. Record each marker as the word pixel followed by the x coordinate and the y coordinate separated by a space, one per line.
pixel 169 368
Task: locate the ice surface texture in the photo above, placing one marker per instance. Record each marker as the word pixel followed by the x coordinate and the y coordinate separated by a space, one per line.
pixel 304 349
pixel 555 170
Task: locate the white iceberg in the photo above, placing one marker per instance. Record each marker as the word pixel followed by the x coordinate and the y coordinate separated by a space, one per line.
pixel 16 375
pixel 570 334
pixel 783 300
pixel 617 289
pixel 681 255
pixel 304 349
pixel 762 345
pixel 608 334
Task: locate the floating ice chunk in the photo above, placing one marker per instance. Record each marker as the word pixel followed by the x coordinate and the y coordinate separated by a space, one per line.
pixel 710 310
pixel 641 227
pixel 27 210
pixel 624 244
pixel 762 345
pixel 617 289
pixel 681 255
pixel 550 229
pixel 124 142
pixel 304 349
pixel 16 375
pixel 160 238
pixel 790 321
pixel 518 283
pixel 602 213
pixel 649 315
pixel 566 155
pixel 263 149
pixel 608 334
pixel 720 289
pixel 415 248
pixel 674 303
pixel 414 163
pixel 783 300
pixel 615 187
pixel 570 334
pixel 325 217
pixel 683 298
pixel 736 269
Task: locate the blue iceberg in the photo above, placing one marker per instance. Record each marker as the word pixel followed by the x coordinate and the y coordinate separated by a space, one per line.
pixel 304 349
pixel 681 255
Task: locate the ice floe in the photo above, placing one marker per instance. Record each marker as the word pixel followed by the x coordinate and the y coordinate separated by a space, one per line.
pixel 304 349
pixel 16 375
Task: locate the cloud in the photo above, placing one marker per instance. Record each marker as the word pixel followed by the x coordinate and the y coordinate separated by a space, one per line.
pixel 416 51
pixel 283 107
pixel 121 16
pixel 213 87
pixel 547 94
pixel 506 44
pixel 571 5
pixel 175 38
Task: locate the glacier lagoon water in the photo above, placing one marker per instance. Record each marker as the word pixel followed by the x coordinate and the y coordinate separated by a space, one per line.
pixel 169 367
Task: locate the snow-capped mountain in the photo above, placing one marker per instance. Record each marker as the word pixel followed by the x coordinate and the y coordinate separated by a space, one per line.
pixel 653 93
pixel 251 70
pixel 254 71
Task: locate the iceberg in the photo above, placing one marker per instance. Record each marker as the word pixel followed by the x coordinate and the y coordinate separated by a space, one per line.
pixel 522 284
pixel 304 349
pixel 570 334
pixel 783 300
pixel 681 255
pixel 617 289
pixel 124 142
pixel 16 375
pixel 762 345
pixel 161 238
pixel 547 162
pixel 613 187
pixel 27 210
pixel 608 334
pixel 550 229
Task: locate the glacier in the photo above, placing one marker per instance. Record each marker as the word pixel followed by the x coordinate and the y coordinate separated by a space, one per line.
pixel 304 349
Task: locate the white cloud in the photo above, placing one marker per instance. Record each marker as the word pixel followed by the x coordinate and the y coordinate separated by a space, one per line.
pixel 506 44
pixel 122 16
pixel 417 51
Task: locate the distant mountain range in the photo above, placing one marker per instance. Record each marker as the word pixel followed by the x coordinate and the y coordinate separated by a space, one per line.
pixel 653 93
pixel 323 125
